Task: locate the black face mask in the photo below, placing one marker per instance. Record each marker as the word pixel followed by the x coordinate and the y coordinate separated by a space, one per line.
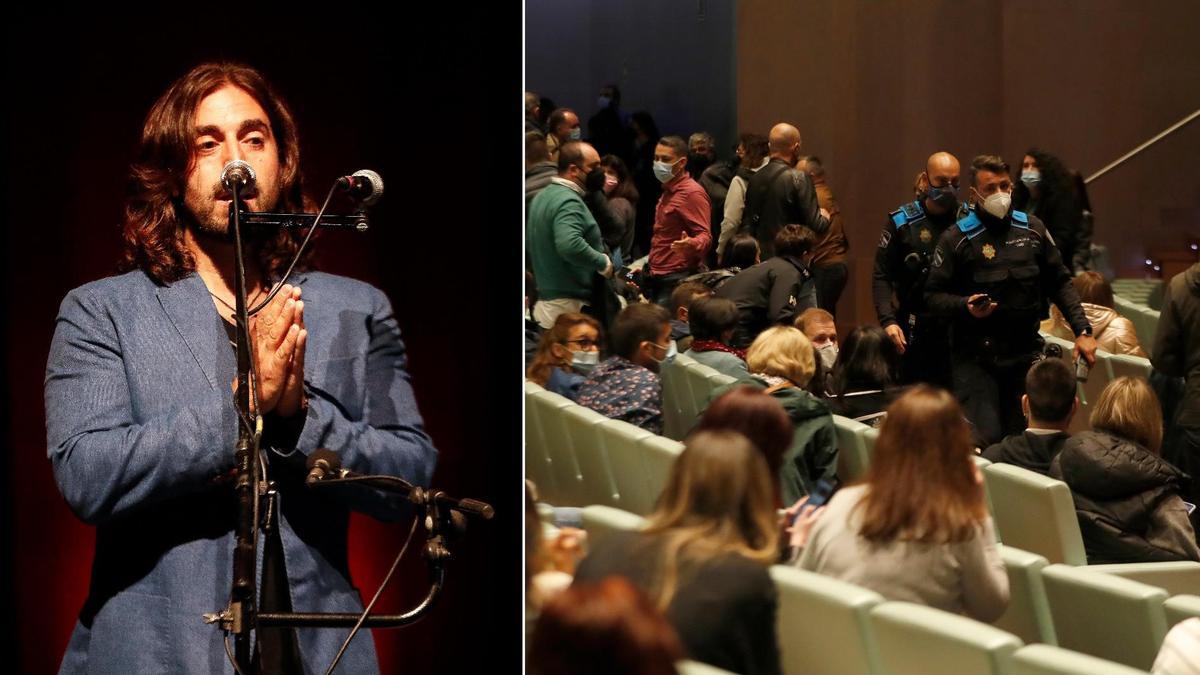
pixel 594 180
pixel 736 161
pixel 697 163
pixel 945 197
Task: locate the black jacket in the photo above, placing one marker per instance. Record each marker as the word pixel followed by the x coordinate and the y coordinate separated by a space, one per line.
pixel 902 261
pixel 724 609
pixel 778 195
pixel 1027 450
pixel 769 293
pixel 1177 341
pixel 1127 500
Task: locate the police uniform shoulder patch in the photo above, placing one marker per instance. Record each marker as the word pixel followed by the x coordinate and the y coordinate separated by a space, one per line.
pixel 885 239
pixel 970 224
pixel 1020 219
pixel 938 257
pixel 907 213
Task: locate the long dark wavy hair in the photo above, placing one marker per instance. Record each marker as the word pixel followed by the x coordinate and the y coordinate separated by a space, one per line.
pixel 152 228
pixel 1056 183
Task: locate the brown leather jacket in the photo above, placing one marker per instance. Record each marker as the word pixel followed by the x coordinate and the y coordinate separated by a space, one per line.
pixel 1113 332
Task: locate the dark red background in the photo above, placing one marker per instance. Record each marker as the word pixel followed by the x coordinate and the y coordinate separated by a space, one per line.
pixel 432 106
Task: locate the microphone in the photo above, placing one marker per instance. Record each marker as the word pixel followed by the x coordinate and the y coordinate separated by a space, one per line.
pixel 365 186
pixel 321 463
pixel 237 174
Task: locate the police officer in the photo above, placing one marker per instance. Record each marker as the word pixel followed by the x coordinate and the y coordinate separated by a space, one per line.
pixel 902 261
pixel 991 276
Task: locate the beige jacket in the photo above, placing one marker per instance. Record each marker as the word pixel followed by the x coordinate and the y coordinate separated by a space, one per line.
pixel 1113 332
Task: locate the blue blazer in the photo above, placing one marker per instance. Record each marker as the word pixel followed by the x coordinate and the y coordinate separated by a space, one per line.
pixel 141 426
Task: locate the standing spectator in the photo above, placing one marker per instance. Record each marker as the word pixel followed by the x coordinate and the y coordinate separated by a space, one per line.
pixel 778 194
pixel 1049 404
pixel 774 291
pixel 704 554
pixel 1047 190
pixel 682 298
pixel 533 113
pixel 828 258
pixel 645 140
pixel 1127 498
pixel 865 376
pixel 917 528
pixel 538 167
pixel 566 354
pixel 1113 332
pixel 562 126
pixel 606 129
pixel 752 156
pixel 1177 354
pixel 562 238
pixel 625 386
pixel 681 234
pixel 622 200
pixel 712 321
pixel 702 152
pixel 546 105
pixel 781 364
pixel 715 180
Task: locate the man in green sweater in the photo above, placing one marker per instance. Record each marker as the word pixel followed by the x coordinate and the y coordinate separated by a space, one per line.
pixel 562 238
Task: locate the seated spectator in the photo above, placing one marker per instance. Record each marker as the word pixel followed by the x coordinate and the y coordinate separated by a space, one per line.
pixel 1180 651
pixel 1049 404
pixel 606 627
pixel 819 327
pixel 711 321
pixel 781 363
pixel 625 386
pixel 1126 496
pixel 758 417
pixel 1113 332
pixel 704 554
pixel 917 528
pixel 865 376
pixel 682 298
pixel 774 291
pixel 741 253
pixel 566 354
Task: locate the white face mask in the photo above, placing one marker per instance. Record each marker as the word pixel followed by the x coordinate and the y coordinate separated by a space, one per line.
pixel 584 362
pixel 672 351
pixel 828 354
pixel 997 204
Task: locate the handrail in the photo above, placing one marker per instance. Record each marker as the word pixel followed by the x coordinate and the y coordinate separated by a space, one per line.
pixel 1120 160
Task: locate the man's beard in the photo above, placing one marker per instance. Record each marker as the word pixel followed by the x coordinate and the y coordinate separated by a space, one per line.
pixel 215 222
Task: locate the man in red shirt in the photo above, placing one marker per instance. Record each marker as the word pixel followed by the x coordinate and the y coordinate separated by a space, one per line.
pixel 681 222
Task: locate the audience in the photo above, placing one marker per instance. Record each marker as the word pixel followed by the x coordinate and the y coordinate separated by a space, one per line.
pixel 562 126
pixel 865 376
pixel 917 528
pixel 781 363
pixel 778 194
pixel 681 230
pixel 704 553
pixel 773 291
pixel 752 155
pixel 602 628
pixel 538 167
pixel 645 140
pixel 533 114
pixel 828 258
pixel 622 200
pixel 625 386
pixel 757 416
pixel 1113 332
pixel 1049 403
pixel 606 129
pixel 742 252
pixel 1128 499
pixel 712 321
pixel 681 301
pixel 567 353
pixel 702 151
pixel 1047 190
pixel 819 327
pixel 1177 355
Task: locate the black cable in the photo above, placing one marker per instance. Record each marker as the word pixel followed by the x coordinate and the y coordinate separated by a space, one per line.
pixel 367 609
pixel 229 653
pixel 299 252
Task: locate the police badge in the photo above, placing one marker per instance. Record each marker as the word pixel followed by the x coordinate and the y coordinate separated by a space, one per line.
pixel 989 251
pixel 926 235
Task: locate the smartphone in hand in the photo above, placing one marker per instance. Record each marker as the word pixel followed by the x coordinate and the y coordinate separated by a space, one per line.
pixel 819 497
pixel 981 301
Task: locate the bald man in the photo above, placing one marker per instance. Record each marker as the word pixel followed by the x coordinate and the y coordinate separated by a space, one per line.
pixel 902 265
pixel 779 194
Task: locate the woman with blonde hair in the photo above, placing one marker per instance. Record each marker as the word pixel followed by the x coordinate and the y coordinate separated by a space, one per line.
pixel 704 553
pixel 781 363
pixel 566 354
pixel 917 527
pixel 1127 497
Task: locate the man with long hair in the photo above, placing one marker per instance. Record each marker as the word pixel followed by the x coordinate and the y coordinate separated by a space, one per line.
pixel 140 390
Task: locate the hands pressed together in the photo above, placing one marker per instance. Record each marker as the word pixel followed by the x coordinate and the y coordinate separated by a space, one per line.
pixel 278 339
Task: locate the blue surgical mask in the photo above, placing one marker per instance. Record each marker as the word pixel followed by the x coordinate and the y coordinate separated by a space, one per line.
pixel 584 362
pixel 664 171
pixel 1031 178
pixel 575 134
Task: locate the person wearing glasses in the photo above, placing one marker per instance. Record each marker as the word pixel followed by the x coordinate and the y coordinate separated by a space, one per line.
pixel 566 354
pixel 625 386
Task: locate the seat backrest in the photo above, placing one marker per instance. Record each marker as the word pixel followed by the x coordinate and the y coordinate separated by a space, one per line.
pixel 623 442
pixel 1035 513
pixel 700 385
pixel 853 458
pixel 1181 608
pixel 1051 660
pixel 983 464
pixel 918 640
pixel 1133 366
pixel 583 425
pixel 824 624
pixel 698 668
pixel 600 521
pixel 559 449
pixel 537 459
pixel 1105 615
pixel 1175 577
pixel 1080 421
pixel 658 456
pixel 1028 613
pixel 676 395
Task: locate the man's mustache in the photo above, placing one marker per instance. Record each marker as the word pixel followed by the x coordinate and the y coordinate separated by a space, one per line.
pixel 221 192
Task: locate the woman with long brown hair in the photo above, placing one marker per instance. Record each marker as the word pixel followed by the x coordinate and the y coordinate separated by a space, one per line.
pixel 704 553
pixel 917 527
pixel 566 354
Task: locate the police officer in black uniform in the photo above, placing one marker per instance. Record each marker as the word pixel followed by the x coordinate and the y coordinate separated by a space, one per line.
pixel 992 276
pixel 902 262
